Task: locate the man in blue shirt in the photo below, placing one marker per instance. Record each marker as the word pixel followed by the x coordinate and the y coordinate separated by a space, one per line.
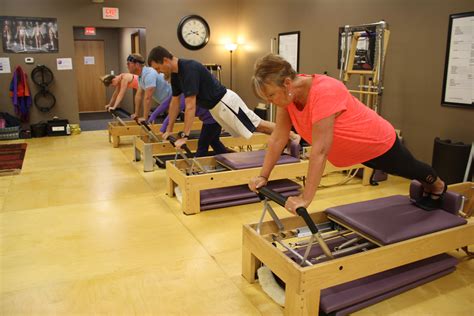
pixel 155 87
pixel 151 84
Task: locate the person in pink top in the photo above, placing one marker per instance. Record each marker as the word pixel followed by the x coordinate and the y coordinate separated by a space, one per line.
pixel 338 126
pixel 121 83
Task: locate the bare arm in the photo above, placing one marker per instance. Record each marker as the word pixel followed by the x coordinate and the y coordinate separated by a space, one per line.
pixel 189 113
pixel 322 134
pixel 173 112
pixel 138 101
pixel 322 140
pixel 147 102
pixel 113 98
pixel 276 143
pixel 121 92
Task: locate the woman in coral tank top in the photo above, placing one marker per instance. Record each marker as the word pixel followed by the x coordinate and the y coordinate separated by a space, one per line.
pixel 338 126
pixel 121 83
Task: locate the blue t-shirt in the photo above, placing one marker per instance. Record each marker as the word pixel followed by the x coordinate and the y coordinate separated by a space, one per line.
pixel 151 79
pixel 193 78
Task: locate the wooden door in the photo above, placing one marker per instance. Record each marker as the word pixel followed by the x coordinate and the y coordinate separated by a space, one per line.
pixel 135 43
pixel 90 66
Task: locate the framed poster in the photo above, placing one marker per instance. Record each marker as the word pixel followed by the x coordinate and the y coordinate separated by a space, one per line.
pixel 29 34
pixel 289 48
pixel 458 83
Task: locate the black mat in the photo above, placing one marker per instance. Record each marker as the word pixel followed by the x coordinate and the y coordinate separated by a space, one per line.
pixel 96 121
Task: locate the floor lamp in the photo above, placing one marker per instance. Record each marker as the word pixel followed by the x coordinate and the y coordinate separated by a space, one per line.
pixel 231 47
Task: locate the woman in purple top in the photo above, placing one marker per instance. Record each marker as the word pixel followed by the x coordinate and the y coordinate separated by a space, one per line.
pixel 210 132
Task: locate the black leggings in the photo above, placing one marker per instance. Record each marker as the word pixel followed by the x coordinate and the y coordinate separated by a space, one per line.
pixel 400 162
pixel 210 134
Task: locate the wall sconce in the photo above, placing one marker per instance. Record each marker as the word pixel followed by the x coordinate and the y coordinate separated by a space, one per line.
pixel 231 47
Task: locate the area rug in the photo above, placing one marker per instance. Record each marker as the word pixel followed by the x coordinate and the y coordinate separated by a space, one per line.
pixel 11 158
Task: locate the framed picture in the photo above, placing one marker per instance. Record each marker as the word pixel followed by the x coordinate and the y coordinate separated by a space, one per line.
pixel 29 34
pixel 365 52
pixel 458 83
pixel 289 48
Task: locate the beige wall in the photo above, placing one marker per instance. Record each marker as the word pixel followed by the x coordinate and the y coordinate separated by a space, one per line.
pixel 125 48
pixel 414 65
pixel 415 58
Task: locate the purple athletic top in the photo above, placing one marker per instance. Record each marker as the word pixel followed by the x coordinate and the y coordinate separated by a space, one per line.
pixel 203 114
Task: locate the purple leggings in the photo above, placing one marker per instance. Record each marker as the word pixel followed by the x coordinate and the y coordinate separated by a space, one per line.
pixel 162 108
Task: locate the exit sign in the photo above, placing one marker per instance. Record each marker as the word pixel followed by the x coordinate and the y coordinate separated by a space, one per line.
pixel 110 13
pixel 89 30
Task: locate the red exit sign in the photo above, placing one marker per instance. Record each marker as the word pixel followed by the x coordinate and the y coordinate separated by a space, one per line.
pixel 110 13
pixel 89 30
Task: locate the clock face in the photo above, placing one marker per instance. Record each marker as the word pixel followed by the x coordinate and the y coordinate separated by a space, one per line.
pixel 193 32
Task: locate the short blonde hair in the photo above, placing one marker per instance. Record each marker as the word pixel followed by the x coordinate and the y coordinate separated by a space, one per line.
pixel 270 69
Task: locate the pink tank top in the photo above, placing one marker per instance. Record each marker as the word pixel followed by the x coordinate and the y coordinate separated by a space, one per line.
pixel 134 83
pixel 359 133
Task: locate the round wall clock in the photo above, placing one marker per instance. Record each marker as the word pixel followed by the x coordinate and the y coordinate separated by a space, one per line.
pixel 193 32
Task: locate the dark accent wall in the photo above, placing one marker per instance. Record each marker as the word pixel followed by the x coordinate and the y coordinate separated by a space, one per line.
pixel 414 64
pixel 160 18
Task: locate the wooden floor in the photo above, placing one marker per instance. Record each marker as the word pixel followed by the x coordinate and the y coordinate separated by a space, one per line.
pixel 84 231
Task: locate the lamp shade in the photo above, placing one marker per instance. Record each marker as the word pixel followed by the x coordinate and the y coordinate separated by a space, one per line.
pixel 231 46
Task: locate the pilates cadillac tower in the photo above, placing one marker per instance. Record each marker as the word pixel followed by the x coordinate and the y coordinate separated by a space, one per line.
pixel 362 53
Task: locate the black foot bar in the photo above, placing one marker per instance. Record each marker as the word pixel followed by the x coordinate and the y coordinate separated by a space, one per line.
pixel 147 130
pixel 186 156
pixel 116 116
pixel 265 192
pixel 173 140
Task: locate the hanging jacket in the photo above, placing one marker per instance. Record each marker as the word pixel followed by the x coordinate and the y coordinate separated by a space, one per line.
pixel 20 94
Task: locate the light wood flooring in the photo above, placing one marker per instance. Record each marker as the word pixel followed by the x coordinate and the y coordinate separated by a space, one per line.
pixel 84 231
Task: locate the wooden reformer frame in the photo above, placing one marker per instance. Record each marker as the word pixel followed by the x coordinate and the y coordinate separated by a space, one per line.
pixel 192 185
pixel 146 148
pixel 131 128
pixel 304 284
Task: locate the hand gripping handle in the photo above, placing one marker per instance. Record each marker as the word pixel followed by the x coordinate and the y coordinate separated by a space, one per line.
pixel 281 200
pixel 173 139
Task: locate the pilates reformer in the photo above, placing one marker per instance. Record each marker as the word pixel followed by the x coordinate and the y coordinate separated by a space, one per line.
pixel 184 152
pixel 119 128
pixel 194 166
pixel 352 256
pixel 228 175
pixel 116 116
pixel 150 150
